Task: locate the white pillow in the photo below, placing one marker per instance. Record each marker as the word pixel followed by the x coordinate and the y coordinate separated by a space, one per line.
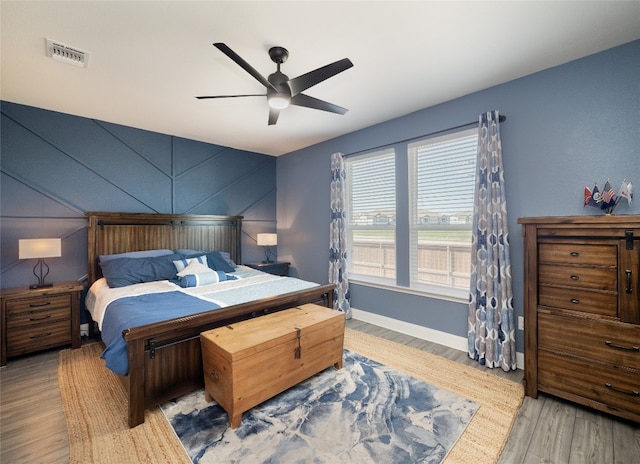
pixel 184 262
pixel 194 267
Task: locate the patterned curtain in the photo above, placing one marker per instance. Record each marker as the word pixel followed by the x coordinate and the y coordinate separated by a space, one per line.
pixel 491 330
pixel 337 238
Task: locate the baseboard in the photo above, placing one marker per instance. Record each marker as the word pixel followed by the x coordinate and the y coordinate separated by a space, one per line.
pixel 418 331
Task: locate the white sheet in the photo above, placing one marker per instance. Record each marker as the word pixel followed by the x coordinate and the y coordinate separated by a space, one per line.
pixel 100 294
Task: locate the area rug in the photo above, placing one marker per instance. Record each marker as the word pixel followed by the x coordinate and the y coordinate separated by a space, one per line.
pixel 363 413
pixel 94 404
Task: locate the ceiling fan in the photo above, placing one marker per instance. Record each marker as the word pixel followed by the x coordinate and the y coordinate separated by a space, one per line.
pixel 282 91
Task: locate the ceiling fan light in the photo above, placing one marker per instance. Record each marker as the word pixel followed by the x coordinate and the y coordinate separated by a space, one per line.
pixel 279 101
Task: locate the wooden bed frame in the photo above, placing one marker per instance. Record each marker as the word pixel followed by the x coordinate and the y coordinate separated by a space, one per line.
pixel 165 360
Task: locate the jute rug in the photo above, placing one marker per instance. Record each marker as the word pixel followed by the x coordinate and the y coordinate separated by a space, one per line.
pixel 94 404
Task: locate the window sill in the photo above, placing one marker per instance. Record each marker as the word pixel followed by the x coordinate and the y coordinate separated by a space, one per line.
pixel 410 291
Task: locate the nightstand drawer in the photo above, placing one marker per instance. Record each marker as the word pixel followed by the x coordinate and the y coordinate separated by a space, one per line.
pixel 27 318
pixel 38 304
pixel 38 337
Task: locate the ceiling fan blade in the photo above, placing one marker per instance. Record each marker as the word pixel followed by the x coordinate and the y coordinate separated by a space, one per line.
pixel 204 97
pixel 310 102
pixel 242 63
pixel 273 116
pixel 303 82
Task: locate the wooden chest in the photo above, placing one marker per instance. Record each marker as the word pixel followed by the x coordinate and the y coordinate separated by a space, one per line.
pixel 251 361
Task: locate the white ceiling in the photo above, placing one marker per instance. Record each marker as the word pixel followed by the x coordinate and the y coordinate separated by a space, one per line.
pixel 149 59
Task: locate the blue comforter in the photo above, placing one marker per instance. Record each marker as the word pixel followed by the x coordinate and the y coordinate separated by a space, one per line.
pixel 135 311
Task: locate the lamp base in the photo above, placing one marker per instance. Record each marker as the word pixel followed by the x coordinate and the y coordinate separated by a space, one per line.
pixel 268 262
pixel 36 286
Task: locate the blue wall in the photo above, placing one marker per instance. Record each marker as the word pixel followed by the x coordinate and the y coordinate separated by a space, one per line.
pixel 55 167
pixel 567 127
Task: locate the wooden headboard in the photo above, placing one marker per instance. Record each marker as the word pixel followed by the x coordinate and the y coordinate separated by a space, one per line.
pixel 111 233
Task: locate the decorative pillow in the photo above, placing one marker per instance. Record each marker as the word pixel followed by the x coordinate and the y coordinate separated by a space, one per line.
pixel 194 267
pixel 121 272
pixel 204 278
pixel 135 254
pixel 183 262
pixel 215 260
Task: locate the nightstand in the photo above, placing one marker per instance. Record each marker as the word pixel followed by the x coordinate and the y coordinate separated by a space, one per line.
pixel 38 319
pixel 280 268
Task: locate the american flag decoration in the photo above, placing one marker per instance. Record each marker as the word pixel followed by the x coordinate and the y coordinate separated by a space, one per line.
pixel 608 196
pixel 608 199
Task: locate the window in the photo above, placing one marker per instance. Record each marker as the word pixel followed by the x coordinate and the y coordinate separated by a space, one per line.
pixel 371 216
pixel 424 245
pixel 441 190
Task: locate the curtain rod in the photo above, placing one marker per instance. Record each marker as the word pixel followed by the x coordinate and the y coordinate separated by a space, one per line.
pixel 501 118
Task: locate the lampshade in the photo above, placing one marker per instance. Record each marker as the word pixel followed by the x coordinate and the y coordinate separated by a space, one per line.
pixel 267 239
pixel 39 248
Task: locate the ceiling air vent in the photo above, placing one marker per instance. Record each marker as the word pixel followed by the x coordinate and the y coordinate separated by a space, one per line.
pixel 67 54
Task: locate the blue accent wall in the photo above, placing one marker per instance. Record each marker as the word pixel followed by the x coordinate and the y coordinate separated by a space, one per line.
pixel 567 127
pixel 55 167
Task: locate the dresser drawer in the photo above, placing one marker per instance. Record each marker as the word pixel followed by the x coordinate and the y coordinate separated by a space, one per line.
pixel 38 337
pixel 617 390
pixel 578 276
pixel 575 253
pixel 605 341
pixel 589 301
pixel 38 303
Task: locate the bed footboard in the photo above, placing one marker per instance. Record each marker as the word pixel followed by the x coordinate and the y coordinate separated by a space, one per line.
pixel 165 360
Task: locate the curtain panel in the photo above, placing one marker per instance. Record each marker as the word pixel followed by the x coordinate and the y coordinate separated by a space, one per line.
pixel 337 237
pixel 491 331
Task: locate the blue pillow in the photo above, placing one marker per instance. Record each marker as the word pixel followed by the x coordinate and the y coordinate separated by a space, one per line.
pixel 121 272
pixel 215 260
pixel 204 278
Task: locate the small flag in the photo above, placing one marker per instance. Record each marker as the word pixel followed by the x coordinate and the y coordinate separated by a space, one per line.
pixel 587 195
pixel 626 191
pixel 608 196
pixel 596 198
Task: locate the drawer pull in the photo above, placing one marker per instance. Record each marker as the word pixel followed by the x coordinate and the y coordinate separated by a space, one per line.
pixel 620 347
pixel 575 277
pixel 42 335
pixel 32 319
pixel 574 253
pixel 39 305
pixel 628 272
pixel 622 390
pixel 575 301
pixel 214 376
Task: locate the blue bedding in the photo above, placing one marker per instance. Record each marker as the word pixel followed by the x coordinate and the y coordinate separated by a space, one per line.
pixel 135 311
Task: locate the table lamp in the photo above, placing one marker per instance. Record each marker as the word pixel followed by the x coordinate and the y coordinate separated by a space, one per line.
pixel 267 241
pixel 40 248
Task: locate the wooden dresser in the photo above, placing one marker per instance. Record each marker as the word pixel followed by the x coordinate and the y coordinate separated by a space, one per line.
pixel 582 310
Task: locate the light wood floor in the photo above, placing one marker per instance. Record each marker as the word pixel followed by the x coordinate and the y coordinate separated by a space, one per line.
pixel 547 430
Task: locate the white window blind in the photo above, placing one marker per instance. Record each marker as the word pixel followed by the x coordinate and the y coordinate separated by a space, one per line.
pixel 441 190
pixel 371 215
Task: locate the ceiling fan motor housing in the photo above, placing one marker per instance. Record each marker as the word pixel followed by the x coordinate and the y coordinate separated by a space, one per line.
pixel 278 54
